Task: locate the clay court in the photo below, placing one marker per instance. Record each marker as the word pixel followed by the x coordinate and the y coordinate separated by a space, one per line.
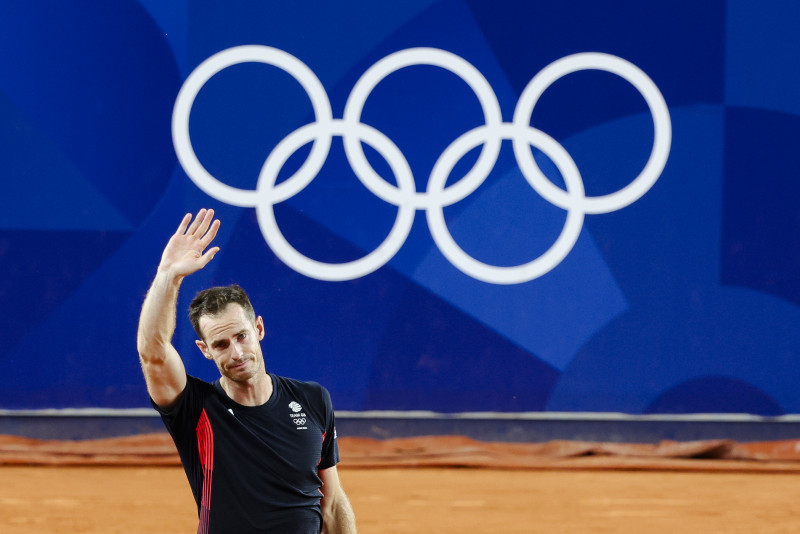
pixel 422 500
pixel 428 485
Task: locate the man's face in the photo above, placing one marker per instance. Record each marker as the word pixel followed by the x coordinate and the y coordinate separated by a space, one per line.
pixel 232 341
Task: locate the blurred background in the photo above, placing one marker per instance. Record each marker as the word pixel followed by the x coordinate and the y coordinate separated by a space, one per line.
pixel 673 314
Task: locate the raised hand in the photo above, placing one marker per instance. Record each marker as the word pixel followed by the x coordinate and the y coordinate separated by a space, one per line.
pixel 186 252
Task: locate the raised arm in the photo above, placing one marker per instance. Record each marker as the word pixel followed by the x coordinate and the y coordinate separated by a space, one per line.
pixel 184 254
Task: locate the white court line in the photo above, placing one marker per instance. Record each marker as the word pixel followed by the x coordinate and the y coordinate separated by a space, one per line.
pixel 423 414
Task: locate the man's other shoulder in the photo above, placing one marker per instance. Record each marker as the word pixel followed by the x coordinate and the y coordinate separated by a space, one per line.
pixel 305 387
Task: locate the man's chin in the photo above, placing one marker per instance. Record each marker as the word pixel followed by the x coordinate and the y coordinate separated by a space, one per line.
pixel 243 374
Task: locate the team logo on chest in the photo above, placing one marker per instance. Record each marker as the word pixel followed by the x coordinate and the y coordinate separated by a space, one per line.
pixel 297 415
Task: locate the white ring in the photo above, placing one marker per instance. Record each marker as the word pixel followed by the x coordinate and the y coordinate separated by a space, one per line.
pixel 545 262
pixel 661 123
pixel 333 271
pixel 399 60
pixel 183 105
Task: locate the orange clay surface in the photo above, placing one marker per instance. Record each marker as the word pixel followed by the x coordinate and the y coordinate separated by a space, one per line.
pixel 89 500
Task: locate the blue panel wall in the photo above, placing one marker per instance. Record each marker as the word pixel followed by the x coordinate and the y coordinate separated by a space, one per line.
pixel 516 276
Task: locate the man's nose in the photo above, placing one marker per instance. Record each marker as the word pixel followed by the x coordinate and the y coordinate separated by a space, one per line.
pixel 237 351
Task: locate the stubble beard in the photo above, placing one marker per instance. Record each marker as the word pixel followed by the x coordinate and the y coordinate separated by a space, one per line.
pixel 240 377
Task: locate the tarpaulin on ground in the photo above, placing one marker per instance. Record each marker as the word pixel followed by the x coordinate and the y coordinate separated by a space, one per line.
pixel 157 449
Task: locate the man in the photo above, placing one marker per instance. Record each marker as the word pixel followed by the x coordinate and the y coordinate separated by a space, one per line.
pixel 259 450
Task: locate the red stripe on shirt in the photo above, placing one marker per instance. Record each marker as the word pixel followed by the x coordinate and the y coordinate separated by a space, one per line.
pixel 205 446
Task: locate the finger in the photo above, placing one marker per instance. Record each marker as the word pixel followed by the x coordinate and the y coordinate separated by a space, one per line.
pixel 197 221
pixel 211 233
pixel 208 256
pixel 204 224
pixel 184 224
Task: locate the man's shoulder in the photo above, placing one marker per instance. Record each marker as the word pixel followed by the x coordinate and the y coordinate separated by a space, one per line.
pixel 294 382
pixel 199 389
pixel 190 400
pixel 198 383
pixel 293 386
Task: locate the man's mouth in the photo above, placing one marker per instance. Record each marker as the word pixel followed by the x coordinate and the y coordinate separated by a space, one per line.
pixel 238 365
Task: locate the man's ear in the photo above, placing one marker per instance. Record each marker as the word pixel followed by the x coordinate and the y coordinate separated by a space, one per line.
pixel 203 348
pixel 260 327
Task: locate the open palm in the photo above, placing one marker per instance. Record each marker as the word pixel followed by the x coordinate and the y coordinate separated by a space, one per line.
pixel 186 252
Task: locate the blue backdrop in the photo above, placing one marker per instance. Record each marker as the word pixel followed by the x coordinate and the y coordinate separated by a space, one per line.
pixel 681 298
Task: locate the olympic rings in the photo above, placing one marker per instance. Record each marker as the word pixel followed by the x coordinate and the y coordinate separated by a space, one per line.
pixel 438 194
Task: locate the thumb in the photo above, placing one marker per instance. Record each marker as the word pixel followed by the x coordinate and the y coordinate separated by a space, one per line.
pixel 209 255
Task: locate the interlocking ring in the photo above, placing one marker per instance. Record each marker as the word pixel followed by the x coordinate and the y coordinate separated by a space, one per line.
pixel 661 141
pixel 438 194
pixel 191 87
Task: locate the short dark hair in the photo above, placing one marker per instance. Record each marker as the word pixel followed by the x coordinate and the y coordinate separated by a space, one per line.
pixel 215 300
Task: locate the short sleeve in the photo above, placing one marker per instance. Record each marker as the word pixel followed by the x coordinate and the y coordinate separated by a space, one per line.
pixel 181 417
pixel 330 446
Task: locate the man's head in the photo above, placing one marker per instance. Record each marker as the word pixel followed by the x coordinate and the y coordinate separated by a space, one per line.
pixel 214 300
pixel 230 333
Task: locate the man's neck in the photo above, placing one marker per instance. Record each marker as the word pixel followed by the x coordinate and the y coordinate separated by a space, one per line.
pixel 254 392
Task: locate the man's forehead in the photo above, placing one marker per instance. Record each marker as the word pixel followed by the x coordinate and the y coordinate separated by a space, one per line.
pixel 232 317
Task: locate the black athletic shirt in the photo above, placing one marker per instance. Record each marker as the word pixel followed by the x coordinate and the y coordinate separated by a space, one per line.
pixel 253 469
